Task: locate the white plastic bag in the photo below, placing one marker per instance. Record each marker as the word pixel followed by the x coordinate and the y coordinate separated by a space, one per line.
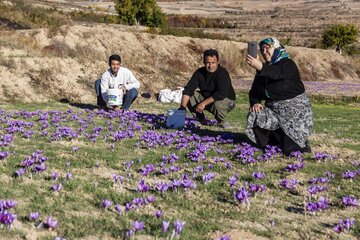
pixel 165 96
pixel 168 96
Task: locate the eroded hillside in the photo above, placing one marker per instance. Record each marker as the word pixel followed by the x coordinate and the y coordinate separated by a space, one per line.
pixel 38 66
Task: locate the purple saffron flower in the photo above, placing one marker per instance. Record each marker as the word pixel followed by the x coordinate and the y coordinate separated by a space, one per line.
pixel 289 184
pixel 7 218
pixel 55 175
pixel 242 195
pixel 20 172
pixel 322 204
pixel 178 225
pixel 349 175
pixel 228 165
pixel 208 177
pixel 256 188
pixel 33 216
pixel 138 202
pixel 56 187
pixel 259 175
pixel 344 224
pixel 188 184
pixel 68 176
pixel 313 189
pixel 3 155
pixel 162 187
pixel 322 156
pixel 165 226
pixel 151 199
pixel 347 223
pixel 51 223
pixel 75 148
pixel 138 226
pixel 158 214
pixel 8 204
pixel 296 154
pixel 294 167
pixel 224 238
pixel 233 179
pixel 118 209
pixel 329 174
pixel 338 228
pixel 350 201
pixel 128 206
pixel 129 233
pixel 40 168
pixel 142 187
pixel 106 203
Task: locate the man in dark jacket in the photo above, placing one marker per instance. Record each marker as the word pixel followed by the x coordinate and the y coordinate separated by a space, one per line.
pixel 215 92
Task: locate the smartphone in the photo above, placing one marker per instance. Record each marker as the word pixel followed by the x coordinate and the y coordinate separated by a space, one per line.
pixel 252 49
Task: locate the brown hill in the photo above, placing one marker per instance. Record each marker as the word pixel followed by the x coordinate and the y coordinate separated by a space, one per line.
pixel 38 65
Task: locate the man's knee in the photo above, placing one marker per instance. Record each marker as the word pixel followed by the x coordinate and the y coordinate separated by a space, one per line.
pixel 221 109
pixel 132 93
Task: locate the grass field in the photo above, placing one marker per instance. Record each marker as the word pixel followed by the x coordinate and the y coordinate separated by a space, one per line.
pixel 99 175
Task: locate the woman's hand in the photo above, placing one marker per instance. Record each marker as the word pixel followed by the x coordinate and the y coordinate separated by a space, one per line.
pixel 257 107
pixel 254 62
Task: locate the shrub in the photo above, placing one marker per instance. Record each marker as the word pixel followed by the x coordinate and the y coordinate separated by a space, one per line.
pixel 144 12
pixel 193 33
pixel 339 35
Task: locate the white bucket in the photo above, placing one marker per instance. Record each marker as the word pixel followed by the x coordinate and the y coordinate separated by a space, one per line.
pixel 115 97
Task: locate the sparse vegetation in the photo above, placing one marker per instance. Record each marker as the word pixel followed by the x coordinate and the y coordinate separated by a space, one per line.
pixel 340 35
pixel 187 32
pixel 191 21
pixel 144 12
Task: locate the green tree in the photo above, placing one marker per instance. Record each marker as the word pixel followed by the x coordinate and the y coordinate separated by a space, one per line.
pixel 144 12
pixel 339 35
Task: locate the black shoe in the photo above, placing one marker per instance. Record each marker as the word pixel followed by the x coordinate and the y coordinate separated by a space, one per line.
pixel 200 117
pixel 307 148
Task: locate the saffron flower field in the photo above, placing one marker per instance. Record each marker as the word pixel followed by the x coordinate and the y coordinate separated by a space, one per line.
pixel 72 173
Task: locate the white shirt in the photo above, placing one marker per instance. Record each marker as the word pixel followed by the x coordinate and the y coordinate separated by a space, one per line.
pixel 123 77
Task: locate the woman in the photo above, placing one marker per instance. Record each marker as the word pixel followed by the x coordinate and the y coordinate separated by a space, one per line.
pixel 286 119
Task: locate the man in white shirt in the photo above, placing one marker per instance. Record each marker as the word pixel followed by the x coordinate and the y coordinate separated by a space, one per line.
pixel 117 77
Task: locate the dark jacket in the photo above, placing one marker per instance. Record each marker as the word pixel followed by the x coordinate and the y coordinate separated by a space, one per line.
pixel 216 85
pixel 277 81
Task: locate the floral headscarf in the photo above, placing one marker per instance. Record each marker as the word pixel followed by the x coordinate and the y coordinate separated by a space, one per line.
pixel 279 52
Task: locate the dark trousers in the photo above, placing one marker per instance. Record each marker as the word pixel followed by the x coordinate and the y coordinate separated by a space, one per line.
pixel 220 108
pixel 277 137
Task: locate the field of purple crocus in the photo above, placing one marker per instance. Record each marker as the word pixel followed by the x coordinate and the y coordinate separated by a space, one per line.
pixel 81 174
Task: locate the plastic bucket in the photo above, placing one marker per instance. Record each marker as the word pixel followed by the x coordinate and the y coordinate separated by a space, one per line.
pixel 175 118
pixel 115 97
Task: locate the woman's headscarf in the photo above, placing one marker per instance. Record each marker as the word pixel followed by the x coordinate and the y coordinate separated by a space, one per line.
pixel 279 52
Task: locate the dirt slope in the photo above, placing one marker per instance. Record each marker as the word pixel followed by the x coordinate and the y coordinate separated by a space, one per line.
pixel 38 65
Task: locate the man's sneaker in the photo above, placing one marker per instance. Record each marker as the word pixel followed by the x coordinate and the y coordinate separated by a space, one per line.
pixel 224 124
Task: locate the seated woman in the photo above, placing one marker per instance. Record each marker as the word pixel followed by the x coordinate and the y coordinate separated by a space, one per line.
pixel 286 119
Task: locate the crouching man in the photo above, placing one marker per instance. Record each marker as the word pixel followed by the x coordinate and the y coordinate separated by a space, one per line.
pixel 215 92
pixel 117 77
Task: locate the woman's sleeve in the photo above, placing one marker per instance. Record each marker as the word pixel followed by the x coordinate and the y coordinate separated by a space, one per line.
pixel 284 69
pixel 253 96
